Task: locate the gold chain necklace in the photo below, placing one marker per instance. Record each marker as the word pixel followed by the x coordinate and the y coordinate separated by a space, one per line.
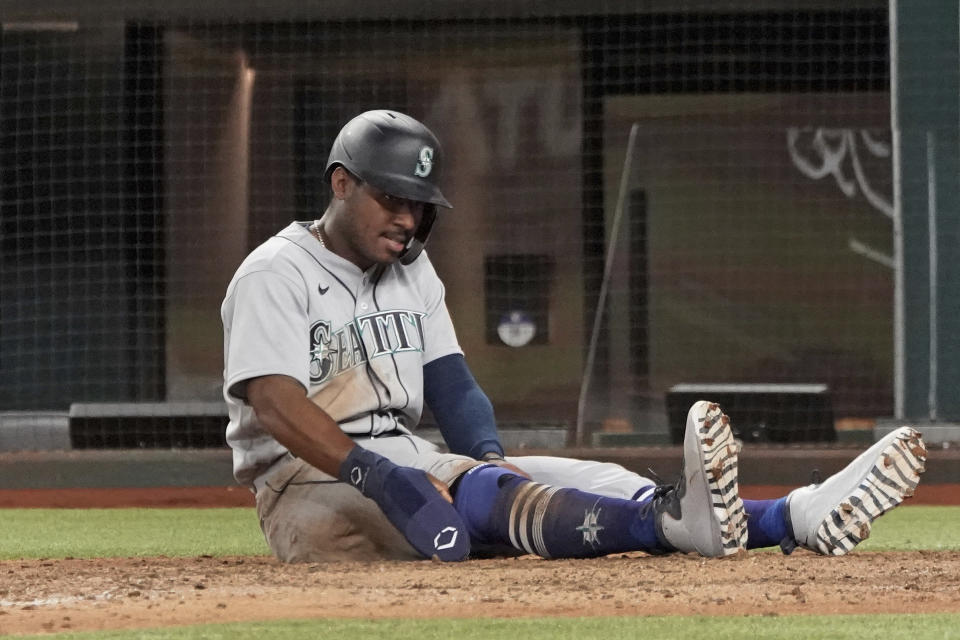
pixel 315 230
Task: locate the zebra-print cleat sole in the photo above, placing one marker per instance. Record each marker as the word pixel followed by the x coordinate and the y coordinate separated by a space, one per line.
pixel 719 457
pixel 849 501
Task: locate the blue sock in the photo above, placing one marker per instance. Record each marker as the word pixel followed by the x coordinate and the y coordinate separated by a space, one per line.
pixel 766 522
pixel 500 507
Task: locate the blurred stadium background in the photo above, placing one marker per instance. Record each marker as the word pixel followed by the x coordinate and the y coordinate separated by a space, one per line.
pixel 781 235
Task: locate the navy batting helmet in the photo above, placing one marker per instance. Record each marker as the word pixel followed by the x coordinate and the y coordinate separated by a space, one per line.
pixel 398 155
pixel 392 151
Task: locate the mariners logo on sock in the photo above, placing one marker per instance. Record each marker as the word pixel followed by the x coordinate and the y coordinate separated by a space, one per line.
pixel 590 527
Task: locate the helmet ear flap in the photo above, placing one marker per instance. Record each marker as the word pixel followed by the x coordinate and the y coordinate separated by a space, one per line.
pixel 419 239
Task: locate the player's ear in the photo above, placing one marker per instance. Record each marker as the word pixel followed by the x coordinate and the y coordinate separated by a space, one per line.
pixel 341 183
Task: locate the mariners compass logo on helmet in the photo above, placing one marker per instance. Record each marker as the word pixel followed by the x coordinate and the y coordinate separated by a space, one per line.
pixel 425 163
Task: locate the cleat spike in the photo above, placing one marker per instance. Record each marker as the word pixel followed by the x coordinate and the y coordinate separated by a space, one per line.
pixel 709 518
pixel 834 516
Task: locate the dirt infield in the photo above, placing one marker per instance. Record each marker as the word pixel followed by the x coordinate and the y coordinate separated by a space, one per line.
pixel 38 596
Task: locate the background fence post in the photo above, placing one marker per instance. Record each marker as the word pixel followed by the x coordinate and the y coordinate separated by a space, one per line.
pixel 925 111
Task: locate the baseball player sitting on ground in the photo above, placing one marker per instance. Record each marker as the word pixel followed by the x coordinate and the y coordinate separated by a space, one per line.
pixel 335 335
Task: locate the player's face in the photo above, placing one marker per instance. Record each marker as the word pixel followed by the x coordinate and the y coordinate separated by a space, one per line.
pixel 380 225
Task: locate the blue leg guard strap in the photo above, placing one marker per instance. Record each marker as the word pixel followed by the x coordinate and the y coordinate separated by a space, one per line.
pixel 475 498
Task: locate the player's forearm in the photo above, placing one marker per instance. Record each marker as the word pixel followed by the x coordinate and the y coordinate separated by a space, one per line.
pixel 464 413
pixel 307 431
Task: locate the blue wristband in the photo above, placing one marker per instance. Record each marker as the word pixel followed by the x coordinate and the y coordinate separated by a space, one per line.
pixel 365 470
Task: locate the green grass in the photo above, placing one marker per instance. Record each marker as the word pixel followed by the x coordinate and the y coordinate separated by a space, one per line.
pixel 914 528
pixel 915 627
pixel 99 533
pixel 104 533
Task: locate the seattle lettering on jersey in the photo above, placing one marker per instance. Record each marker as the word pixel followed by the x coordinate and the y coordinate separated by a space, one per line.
pixel 389 332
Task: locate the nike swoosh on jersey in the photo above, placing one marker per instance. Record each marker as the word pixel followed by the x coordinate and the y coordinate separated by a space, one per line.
pixel 322 289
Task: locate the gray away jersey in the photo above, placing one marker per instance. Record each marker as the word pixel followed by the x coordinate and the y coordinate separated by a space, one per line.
pixel 356 341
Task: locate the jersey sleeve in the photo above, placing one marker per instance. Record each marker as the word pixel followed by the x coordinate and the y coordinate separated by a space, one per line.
pixel 267 331
pixel 439 335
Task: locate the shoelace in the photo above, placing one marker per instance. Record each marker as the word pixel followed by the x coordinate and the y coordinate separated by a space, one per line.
pixel 662 492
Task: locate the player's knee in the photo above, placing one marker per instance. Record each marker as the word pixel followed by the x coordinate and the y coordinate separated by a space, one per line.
pixel 476 495
pixel 485 479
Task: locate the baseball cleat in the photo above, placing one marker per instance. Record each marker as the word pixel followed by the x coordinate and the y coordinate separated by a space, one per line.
pixel 704 512
pixel 833 517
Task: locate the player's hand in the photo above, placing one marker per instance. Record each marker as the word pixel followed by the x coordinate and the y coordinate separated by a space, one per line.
pixel 441 488
pixel 415 502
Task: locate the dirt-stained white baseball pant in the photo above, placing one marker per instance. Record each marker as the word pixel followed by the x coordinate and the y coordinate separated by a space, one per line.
pixel 309 516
